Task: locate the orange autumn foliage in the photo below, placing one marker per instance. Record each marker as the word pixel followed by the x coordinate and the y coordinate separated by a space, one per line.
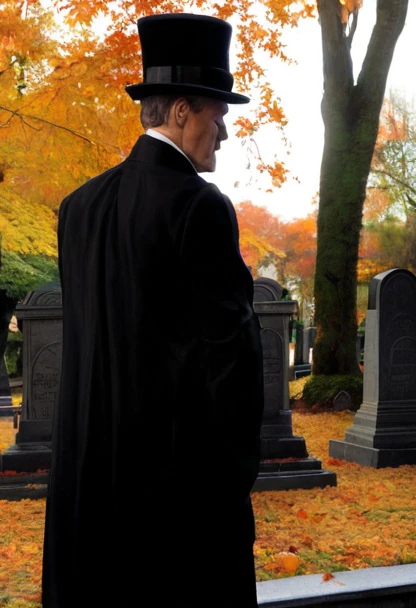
pixel 348 7
pixel 63 69
pixel 370 260
pixel 259 235
pixel 299 236
pixel 289 246
pixel 64 114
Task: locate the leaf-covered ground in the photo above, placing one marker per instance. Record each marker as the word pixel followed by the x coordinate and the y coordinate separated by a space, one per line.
pixel 368 519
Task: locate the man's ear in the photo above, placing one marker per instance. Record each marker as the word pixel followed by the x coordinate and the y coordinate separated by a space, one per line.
pixel 180 111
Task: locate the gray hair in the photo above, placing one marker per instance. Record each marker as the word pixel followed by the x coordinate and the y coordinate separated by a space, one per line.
pixel 156 108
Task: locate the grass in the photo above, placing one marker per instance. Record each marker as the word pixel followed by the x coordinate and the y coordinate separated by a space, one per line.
pixel 368 519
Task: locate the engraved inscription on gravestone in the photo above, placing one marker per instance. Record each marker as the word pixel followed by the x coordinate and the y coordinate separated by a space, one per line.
pixel 272 362
pixel 397 339
pixel 45 381
pixel 401 382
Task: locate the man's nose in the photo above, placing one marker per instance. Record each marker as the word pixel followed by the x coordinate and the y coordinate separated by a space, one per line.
pixel 222 133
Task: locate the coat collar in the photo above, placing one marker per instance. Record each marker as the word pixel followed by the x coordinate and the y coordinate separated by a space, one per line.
pixel 153 151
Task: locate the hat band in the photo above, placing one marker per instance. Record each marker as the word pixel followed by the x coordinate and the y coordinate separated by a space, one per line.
pixel 215 78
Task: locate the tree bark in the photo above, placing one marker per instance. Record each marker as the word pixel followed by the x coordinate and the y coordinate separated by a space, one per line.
pixel 351 114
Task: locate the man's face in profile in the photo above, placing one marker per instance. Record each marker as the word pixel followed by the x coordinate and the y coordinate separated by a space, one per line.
pixel 203 133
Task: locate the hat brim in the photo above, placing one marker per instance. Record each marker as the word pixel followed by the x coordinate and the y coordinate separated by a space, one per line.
pixel 146 89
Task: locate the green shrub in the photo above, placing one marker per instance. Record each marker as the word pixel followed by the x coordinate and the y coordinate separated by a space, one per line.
pixel 13 355
pixel 320 391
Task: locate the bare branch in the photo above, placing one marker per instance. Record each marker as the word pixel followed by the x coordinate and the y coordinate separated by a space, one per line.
pixel 395 179
pixel 352 28
pixel 52 124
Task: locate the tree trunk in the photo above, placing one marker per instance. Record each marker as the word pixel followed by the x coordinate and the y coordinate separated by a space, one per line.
pixel 351 118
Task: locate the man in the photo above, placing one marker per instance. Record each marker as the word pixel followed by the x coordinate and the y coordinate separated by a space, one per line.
pixel 157 428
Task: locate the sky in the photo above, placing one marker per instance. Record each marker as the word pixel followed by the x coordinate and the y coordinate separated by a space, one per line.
pixel 300 89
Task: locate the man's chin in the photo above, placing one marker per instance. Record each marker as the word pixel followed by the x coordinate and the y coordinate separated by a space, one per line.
pixel 208 168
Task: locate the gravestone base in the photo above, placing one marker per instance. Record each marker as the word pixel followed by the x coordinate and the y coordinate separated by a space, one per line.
pixel 278 440
pixel 28 457
pixel 283 447
pixel 303 473
pixel 6 406
pixel 34 431
pixel 23 485
pixel 301 370
pixel 366 456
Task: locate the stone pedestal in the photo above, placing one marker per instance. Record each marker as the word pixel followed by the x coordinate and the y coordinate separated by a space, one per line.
pixel 41 317
pixel 383 433
pixel 285 461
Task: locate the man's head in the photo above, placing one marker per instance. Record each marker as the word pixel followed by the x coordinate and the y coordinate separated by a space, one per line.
pixel 195 124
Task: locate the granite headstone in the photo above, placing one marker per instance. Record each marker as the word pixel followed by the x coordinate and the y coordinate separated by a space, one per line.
pixel 285 460
pixel 41 316
pixel 383 433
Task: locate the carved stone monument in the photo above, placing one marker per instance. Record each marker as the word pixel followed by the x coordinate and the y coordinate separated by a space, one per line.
pixel 41 316
pixel 383 433
pixel 277 439
pixel 285 461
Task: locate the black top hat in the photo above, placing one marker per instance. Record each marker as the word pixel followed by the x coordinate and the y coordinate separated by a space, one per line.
pixel 185 54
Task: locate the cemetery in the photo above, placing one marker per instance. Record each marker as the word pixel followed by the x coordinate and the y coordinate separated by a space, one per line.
pixel 304 458
pixel 334 499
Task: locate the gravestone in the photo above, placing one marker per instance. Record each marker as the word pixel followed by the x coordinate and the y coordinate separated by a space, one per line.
pixel 6 404
pixel 268 290
pixel 304 342
pixel 285 462
pixel 383 433
pixel 299 346
pixel 309 334
pixel 277 439
pixel 341 402
pixel 41 316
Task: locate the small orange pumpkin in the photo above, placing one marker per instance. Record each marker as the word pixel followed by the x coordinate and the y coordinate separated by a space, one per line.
pixel 288 561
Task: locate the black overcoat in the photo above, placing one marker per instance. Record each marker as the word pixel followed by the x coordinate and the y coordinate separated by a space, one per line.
pixel 157 427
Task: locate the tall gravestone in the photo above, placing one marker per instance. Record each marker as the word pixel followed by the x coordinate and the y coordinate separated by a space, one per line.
pixel 285 462
pixel 309 334
pixel 299 346
pixel 383 433
pixel 41 317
